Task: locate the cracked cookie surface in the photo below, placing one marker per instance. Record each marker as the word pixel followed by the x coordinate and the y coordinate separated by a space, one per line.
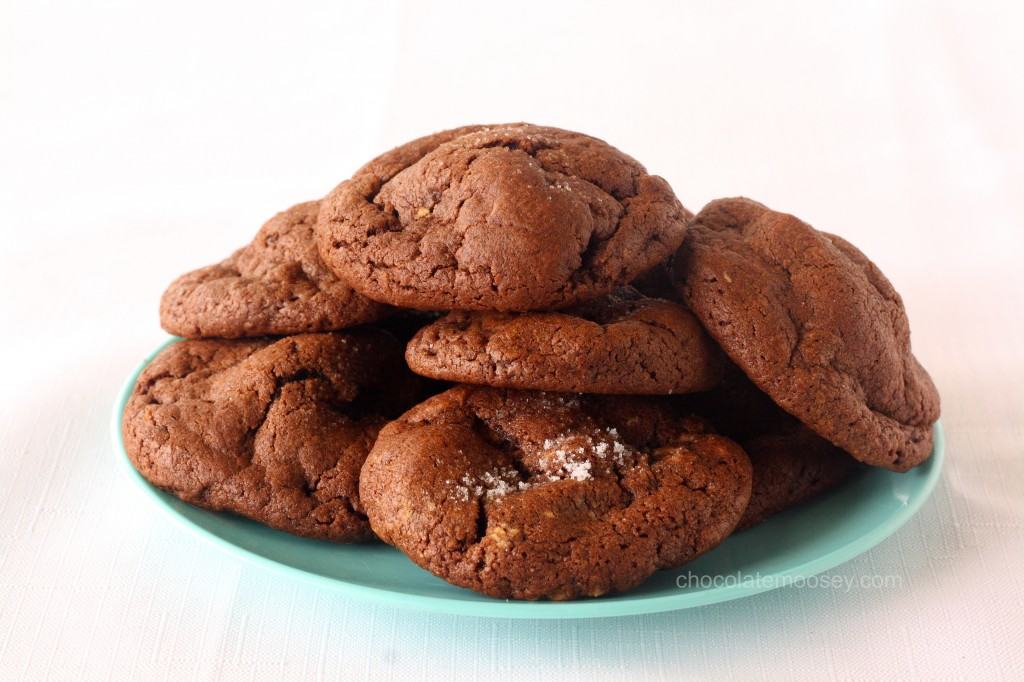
pixel 532 495
pixel 276 431
pixel 509 217
pixel 621 343
pixel 814 324
pixel 277 285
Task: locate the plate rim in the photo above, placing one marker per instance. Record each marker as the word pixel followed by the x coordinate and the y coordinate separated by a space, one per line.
pixel 516 609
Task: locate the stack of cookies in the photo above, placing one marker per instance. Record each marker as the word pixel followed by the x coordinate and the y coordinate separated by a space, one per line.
pixel 513 354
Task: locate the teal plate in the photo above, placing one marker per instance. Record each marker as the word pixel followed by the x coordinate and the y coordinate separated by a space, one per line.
pixel 789 548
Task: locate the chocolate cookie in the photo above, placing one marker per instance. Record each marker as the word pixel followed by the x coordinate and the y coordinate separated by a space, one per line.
pixel 274 286
pixel 510 218
pixel 532 495
pixel 814 324
pixel 273 430
pixel 621 343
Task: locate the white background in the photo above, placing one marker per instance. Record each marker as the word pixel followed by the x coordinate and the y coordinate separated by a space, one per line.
pixel 139 140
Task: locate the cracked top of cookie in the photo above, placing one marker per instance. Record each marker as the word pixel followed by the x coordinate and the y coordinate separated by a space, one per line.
pixel 509 217
pixel 814 324
pixel 621 343
pixel 276 285
pixel 275 431
pixel 535 495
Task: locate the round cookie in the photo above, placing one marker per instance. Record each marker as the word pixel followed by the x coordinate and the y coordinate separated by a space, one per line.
pixel 277 285
pixel 276 431
pixel 814 324
pixel 510 217
pixel 622 343
pixel 532 495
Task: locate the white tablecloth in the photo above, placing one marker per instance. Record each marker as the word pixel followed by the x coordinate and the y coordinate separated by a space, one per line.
pixel 141 139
